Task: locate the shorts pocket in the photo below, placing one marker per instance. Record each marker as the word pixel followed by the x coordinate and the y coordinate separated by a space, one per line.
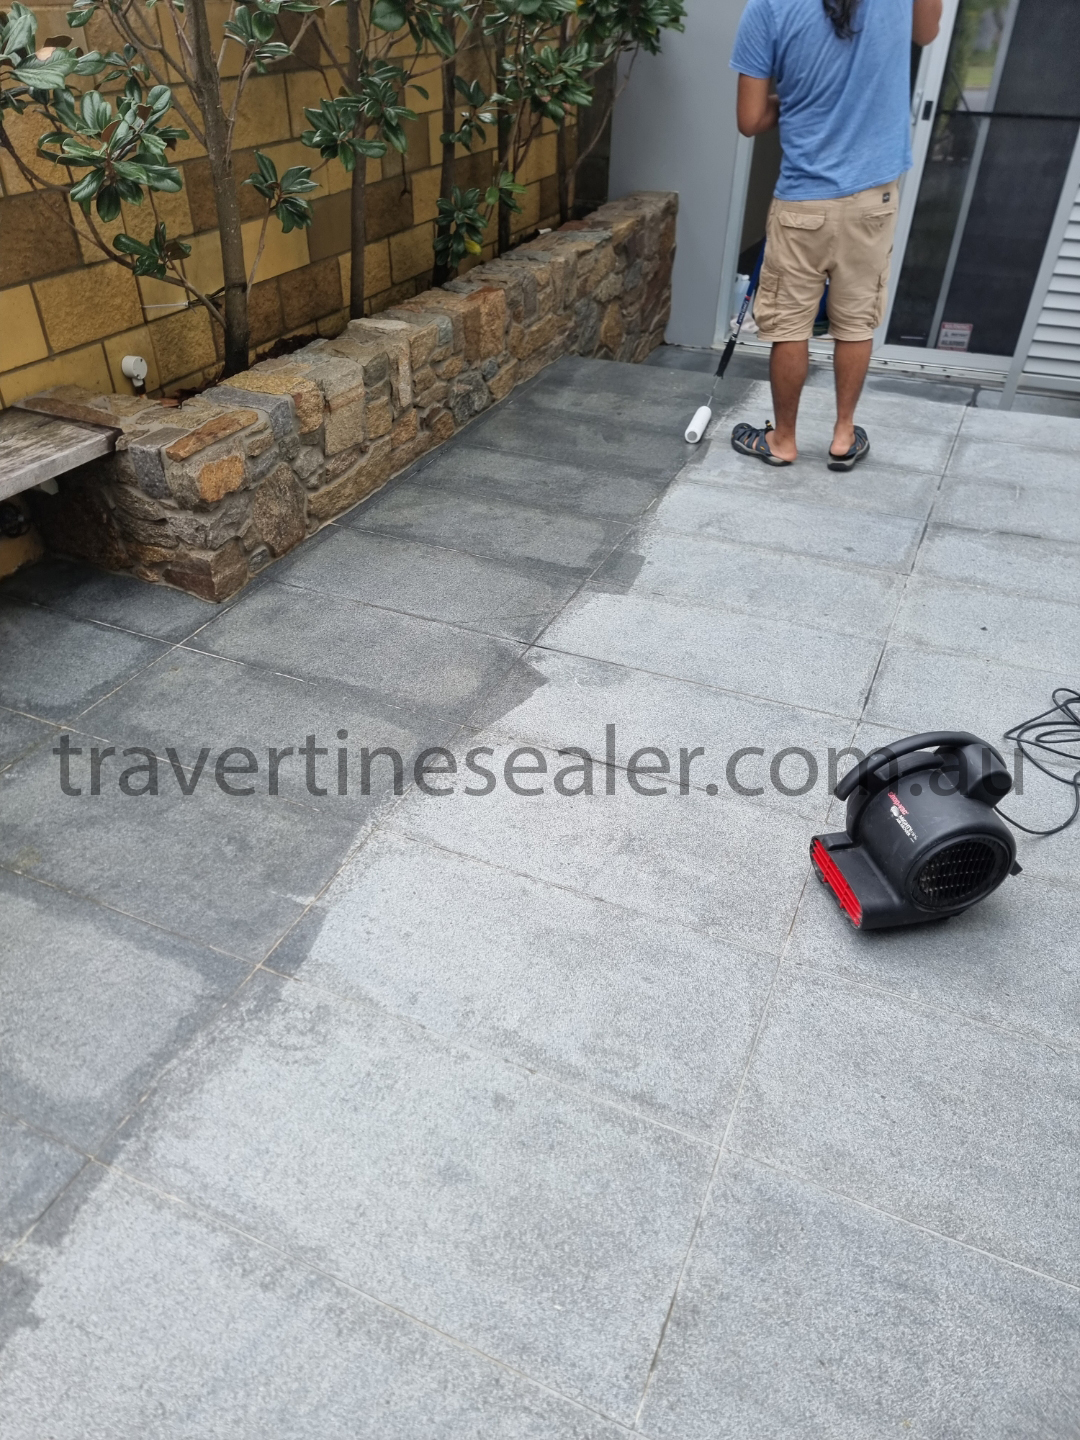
pixel 767 300
pixel 800 219
pixel 877 223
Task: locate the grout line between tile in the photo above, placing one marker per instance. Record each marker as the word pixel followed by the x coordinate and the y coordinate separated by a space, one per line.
pixel 306 1264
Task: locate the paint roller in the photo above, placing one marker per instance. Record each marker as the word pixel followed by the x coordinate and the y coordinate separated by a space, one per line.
pixel 703 414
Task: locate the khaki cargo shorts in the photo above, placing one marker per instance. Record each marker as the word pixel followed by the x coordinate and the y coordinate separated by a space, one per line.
pixel 850 241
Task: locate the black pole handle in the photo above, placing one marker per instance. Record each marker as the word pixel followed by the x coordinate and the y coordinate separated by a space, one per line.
pixel 930 740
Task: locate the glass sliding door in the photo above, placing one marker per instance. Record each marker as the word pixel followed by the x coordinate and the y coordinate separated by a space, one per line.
pixel 1006 117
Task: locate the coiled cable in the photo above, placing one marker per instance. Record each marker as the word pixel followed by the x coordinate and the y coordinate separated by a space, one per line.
pixel 1064 730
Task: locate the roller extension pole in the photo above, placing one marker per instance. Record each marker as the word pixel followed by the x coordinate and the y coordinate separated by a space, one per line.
pixel 703 414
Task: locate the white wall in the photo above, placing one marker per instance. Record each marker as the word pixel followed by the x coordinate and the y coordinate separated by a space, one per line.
pixel 674 129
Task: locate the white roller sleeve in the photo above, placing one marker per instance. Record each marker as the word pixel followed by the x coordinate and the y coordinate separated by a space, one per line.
pixel 698 425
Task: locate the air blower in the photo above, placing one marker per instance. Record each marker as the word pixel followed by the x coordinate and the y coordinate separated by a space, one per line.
pixel 923 840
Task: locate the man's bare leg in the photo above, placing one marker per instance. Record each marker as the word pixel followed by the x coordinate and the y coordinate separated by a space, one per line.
pixel 788 365
pixel 851 360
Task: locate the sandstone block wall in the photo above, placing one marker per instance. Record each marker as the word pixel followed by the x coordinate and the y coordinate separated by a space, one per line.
pixel 204 496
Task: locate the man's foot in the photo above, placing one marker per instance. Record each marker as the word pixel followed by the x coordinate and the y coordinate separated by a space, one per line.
pixel 860 448
pixel 752 440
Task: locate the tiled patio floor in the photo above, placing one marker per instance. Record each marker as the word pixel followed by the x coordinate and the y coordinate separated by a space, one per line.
pixel 551 1116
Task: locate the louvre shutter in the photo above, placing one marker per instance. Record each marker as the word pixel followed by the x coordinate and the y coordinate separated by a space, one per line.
pixel 1055 347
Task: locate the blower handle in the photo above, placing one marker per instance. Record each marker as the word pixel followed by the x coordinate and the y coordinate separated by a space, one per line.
pixel 931 740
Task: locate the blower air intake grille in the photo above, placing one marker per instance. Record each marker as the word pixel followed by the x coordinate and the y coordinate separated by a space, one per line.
pixel 959 873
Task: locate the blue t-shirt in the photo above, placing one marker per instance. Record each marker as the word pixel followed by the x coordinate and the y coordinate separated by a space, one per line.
pixel 844 104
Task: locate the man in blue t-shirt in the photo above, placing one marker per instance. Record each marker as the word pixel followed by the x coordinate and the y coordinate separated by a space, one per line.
pixel 834 75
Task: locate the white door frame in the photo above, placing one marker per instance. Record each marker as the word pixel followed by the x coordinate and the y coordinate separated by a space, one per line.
pixel 925 98
pixel 729 265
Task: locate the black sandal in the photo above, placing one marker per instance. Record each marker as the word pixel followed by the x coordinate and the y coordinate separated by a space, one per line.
pixel 750 440
pixel 858 451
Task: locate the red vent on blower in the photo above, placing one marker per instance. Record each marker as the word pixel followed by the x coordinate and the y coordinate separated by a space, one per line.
pixel 830 874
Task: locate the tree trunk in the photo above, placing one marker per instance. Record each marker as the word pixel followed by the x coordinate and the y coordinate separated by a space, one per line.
pixel 562 149
pixel 503 155
pixel 441 273
pixel 207 88
pixel 358 193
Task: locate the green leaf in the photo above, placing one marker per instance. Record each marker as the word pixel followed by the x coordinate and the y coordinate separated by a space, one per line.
pixel 21 30
pixel 388 15
pixel 108 202
pixel 50 74
pixel 297 180
pixel 87 187
pixel 166 178
pixel 96 112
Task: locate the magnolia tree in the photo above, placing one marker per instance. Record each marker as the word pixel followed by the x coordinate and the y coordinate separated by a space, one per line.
pixel 112 143
pixel 111 117
pixel 544 57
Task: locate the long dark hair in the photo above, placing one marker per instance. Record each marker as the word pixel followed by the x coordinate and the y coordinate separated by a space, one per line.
pixel 841 13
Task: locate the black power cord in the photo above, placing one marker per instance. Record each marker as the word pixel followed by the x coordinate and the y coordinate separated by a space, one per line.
pixel 1065 730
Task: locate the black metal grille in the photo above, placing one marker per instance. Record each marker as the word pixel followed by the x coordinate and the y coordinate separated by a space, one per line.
pixel 960 872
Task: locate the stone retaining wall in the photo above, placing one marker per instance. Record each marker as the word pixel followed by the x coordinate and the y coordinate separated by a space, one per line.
pixel 204 496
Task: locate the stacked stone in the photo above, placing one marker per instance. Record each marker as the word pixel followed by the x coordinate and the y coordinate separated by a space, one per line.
pixel 205 496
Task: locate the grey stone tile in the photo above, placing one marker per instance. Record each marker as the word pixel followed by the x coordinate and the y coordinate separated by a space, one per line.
pixel 729 865
pixel 773 583
pixel 745 366
pixel 907 430
pixel 647 1014
pixel 907 419
pixel 103 1005
pixel 684 357
pixel 661 403
pixel 609 442
pixel 437 583
pixel 36 1169
pixel 561 700
pixel 1045 511
pixel 1055 858
pixel 1048 422
pixel 1035 633
pixel 751 654
pixel 132 1317
pixel 578 488
pixel 406 660
pixel 1034 467
pixel 962 1127
pixel 906 388
pixel 1024 564
pixel 916 690
pixel 86 593
pixel 490 526
pixel 887 542
pixel 232 872
pixel 578 376
pixel 801 1314
pixel 20 733
pixel 523 1219
pixel 1010 960
pixel 190 701
pixel 54 667
pixel 877 485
